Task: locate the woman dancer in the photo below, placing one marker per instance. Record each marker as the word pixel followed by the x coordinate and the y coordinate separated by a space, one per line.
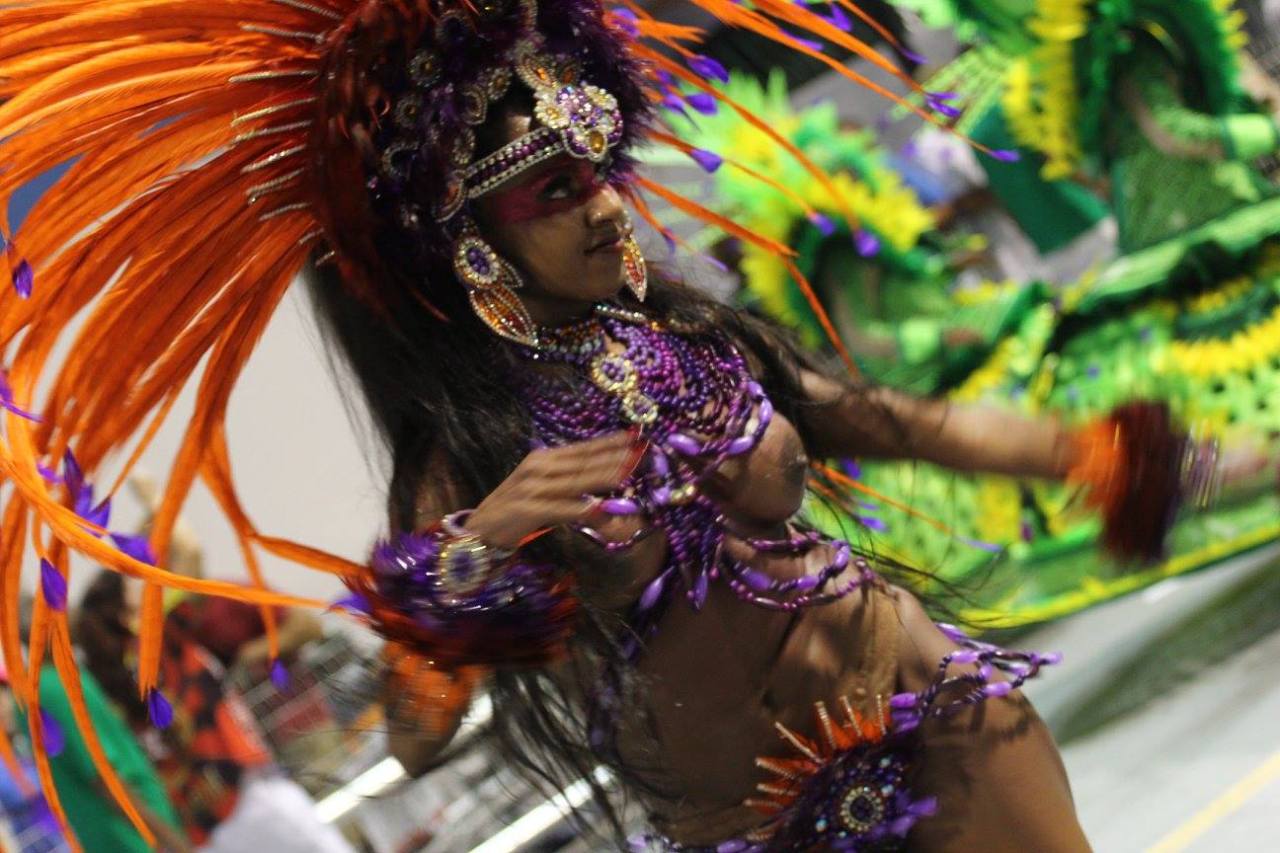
pixel 633 572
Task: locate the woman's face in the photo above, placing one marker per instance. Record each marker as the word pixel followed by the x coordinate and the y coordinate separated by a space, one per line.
pixel 562 226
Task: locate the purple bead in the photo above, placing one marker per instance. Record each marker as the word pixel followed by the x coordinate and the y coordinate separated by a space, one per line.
pixel 740 445
pixel 619 506
pixel 653 592
pixel 903 701
pixel 683 444
pixel 806 583
pixel 997 689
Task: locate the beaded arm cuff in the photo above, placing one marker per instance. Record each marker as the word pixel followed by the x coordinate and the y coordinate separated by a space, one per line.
pixel 456 601
pixel 1139 469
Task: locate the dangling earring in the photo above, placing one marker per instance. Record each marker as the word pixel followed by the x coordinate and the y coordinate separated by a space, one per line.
pixel 491 283
pixel 635 269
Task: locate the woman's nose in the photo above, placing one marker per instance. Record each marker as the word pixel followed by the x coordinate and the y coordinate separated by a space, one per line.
pixel 605 207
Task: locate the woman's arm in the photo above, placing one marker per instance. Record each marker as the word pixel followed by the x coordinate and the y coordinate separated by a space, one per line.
pixel 883 423
pixel 424 703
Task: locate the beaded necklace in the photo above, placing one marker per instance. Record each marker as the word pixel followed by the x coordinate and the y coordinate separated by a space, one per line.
pixel 696 401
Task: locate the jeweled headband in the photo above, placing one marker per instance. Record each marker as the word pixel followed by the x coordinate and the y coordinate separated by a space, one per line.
pixel 428 147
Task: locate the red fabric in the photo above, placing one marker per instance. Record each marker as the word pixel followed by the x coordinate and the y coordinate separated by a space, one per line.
pixel 223 625
pixel 213 739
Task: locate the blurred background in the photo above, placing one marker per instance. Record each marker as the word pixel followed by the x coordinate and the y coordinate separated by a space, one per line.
pixel 1166 702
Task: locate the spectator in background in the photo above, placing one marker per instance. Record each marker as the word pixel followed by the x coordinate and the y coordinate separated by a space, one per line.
pixel 211 756
pixel 233 631
pixel 91 810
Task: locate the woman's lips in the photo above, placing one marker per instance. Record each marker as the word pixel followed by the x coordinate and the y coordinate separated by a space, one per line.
pixel 611 246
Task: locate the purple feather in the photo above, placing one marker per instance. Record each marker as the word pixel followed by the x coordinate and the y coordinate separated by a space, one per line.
pixel 838 18
pixel 717 263
pixel 159 709
pixel 867 244
pixel 279 675
pixel 23 278
pixel 55 740
pixel 708 160
pixel 22 413
pixel 6 399
pixel 625 20
pixel 703 103
pixel 707 67
pixel 74 477
pixel 354 603
pixel 135 546
pixel 823 223
pixel 803 42
pixel 99 515
pixel 53 585
pixel 943 107
pixel 672 102
pixel 873 523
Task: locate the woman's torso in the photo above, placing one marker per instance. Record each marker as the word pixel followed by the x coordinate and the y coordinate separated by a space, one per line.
pixel 716 682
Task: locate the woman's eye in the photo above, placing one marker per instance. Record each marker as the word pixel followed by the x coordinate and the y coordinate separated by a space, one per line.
pixel 558 188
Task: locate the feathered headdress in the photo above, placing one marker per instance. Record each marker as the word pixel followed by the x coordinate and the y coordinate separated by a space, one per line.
pixel 212 148
pixel 766 189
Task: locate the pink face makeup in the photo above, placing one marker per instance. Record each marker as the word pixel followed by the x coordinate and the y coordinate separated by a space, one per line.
pixel 566 184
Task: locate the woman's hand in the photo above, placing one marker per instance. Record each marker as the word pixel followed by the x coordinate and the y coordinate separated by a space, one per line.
pixel 555 486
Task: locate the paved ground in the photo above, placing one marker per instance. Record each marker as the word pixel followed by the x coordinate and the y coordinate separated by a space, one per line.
pixel 1168 710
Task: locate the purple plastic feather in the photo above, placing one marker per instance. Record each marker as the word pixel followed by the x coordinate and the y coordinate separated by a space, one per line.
pixel 708 68
pixel 74 477
pixel 873 523
pixel 23 278
pixel 703 103
pixel 159 709
pixel 55 740
pixel 53 586
pixel 803 42
pixel 823 223
pixel 354 603
pixel 708 160
pixel 135 546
